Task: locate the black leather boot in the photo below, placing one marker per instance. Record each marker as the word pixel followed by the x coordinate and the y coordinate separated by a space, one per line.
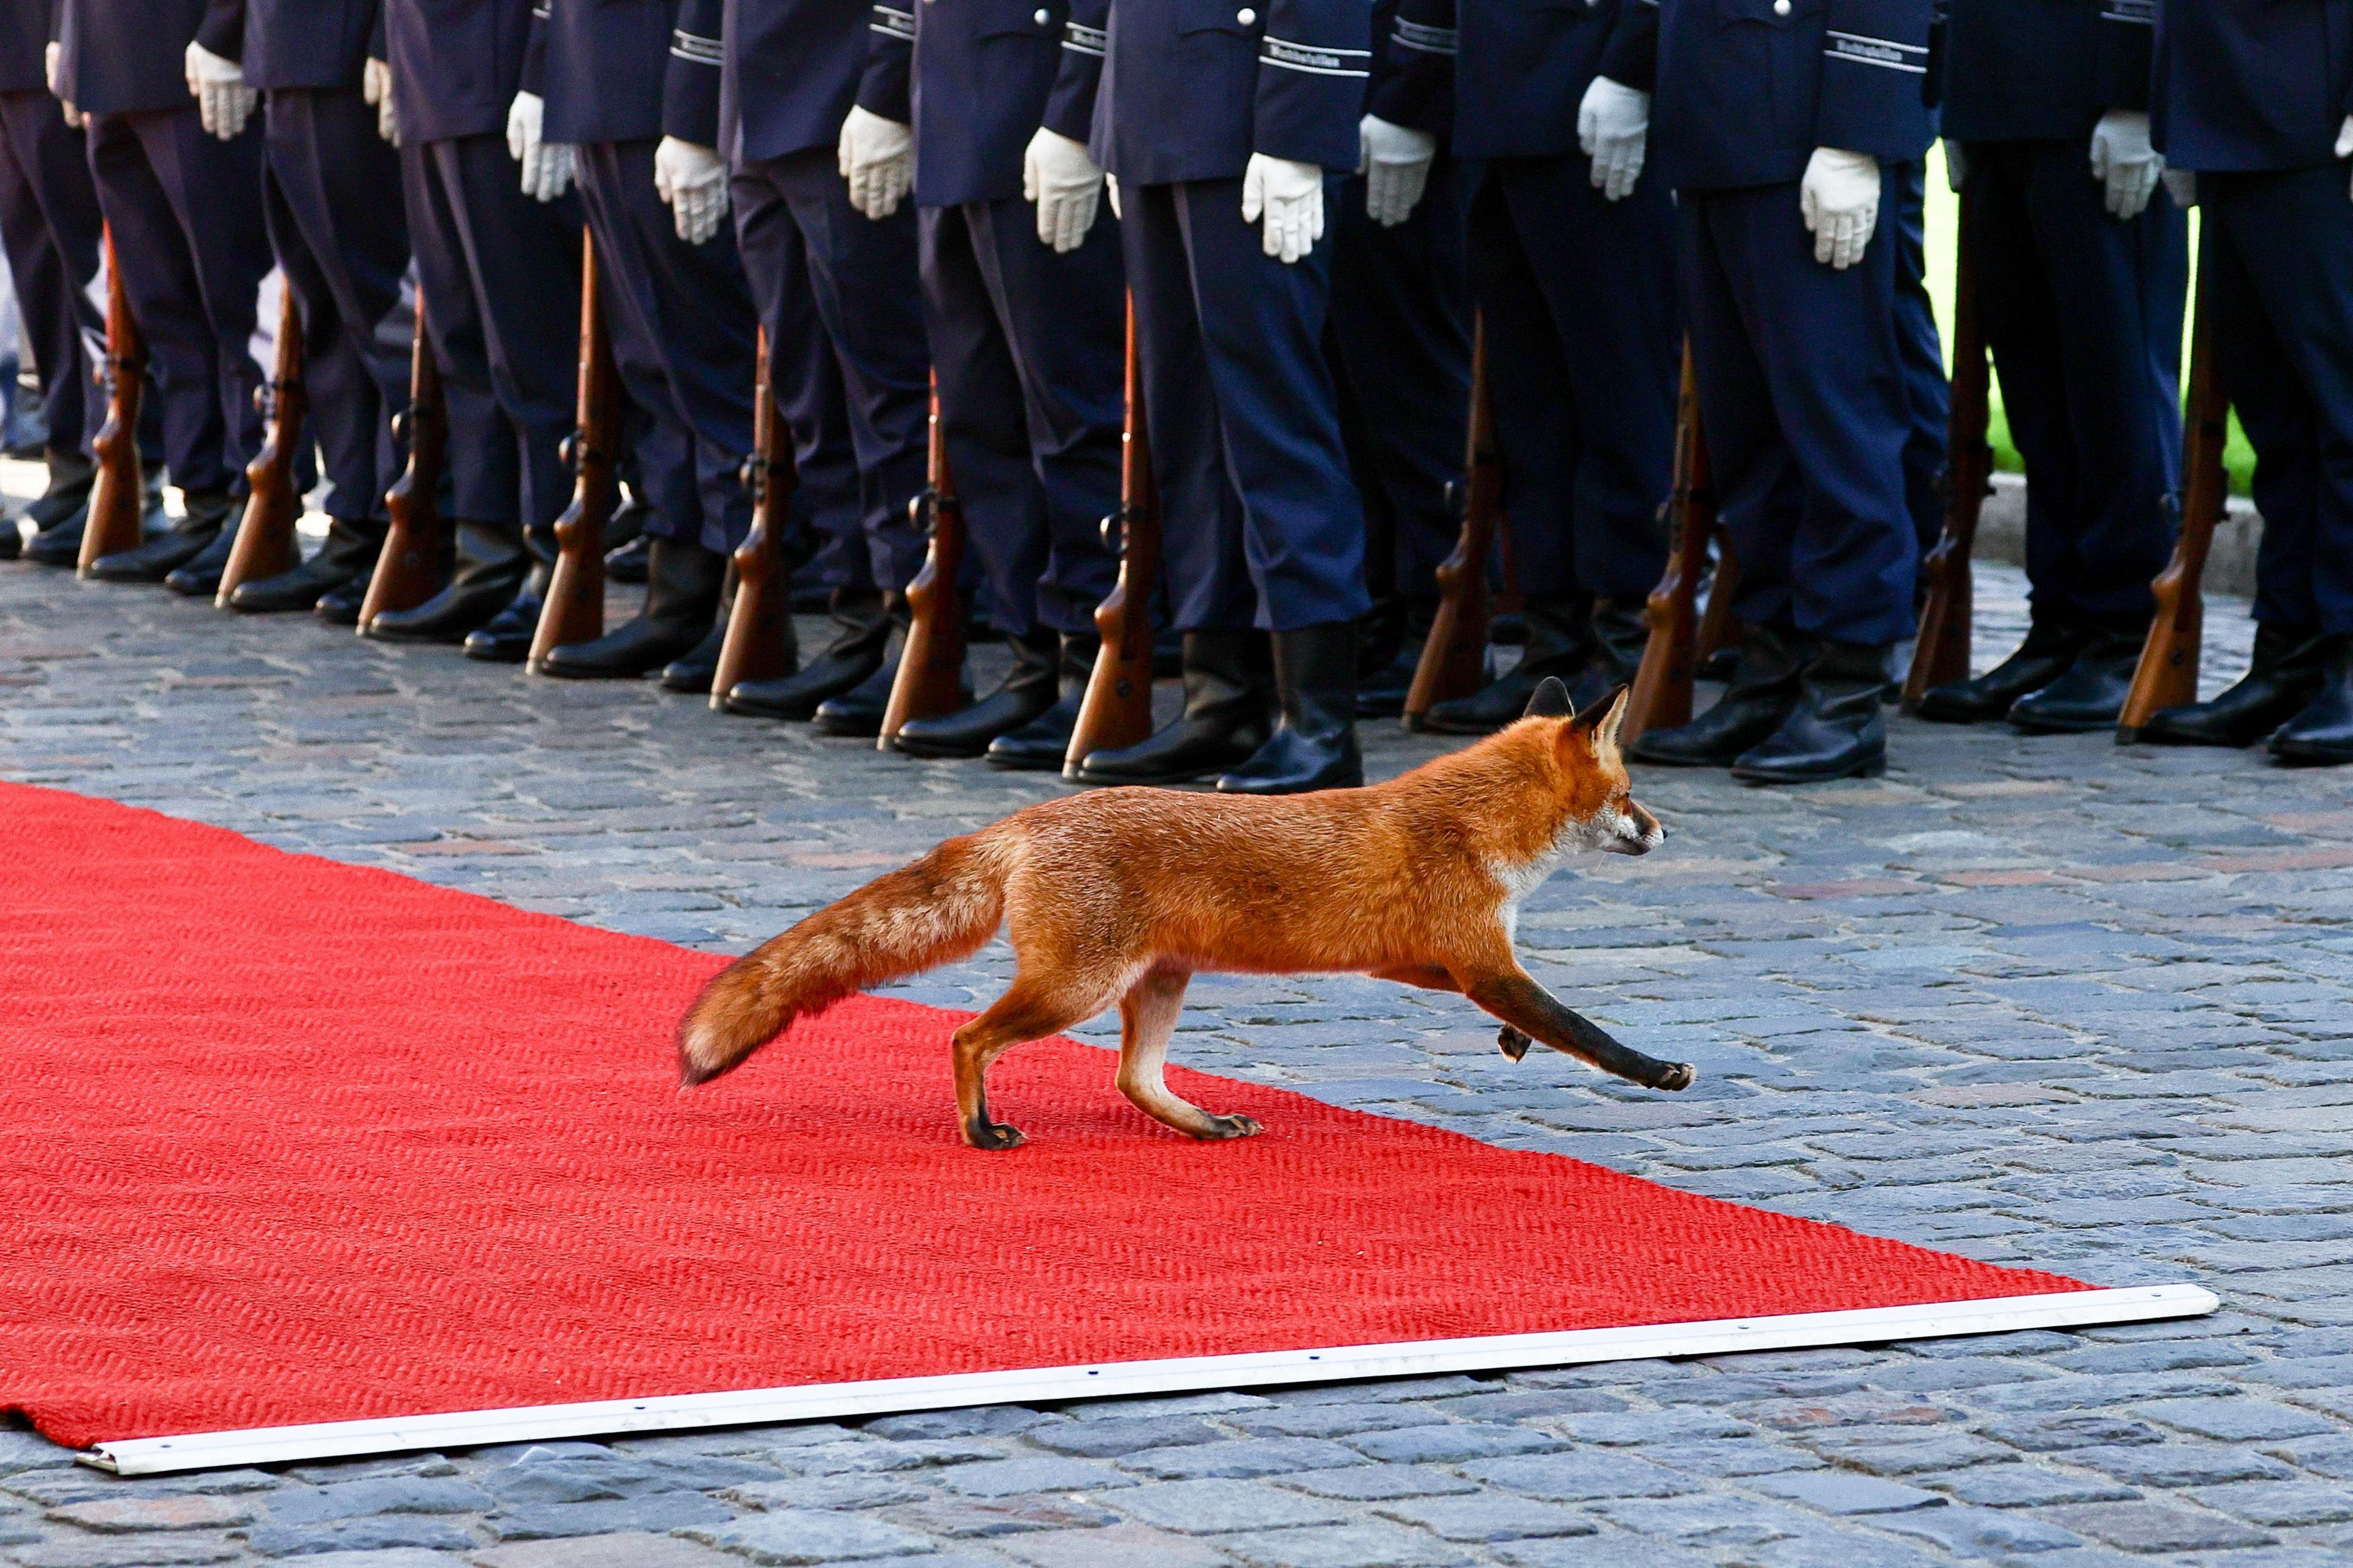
pixel 341 605
pixel 2321 733
pixel 1559 643
pixel 2051 647
pixel 2092 694
pixel 683 585
pixel 1314 741
pixel 12 538
pixel 1028 692
pixel 199 577
pixel 57 518
pixel 505 638
pixel 1761 693
pixel 630 563
pixel 1039 745
pixel 2286 673
pixel 856 714
pixel 491 565
pixel 1382 688
pixel 1621 633
pixel 161 554
pixel 861 629
pixel 1836 731
pixel 348 555
pixel 692 671
pixel 59 544
pixel 1224 723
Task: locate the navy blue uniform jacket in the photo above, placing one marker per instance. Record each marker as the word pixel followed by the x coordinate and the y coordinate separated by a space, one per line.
pixel 2252 84
pixel 1505 79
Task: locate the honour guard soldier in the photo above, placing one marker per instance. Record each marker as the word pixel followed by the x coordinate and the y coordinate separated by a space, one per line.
pixel 1026 307
pixel 178 170
pixel 634 89
pixel 343 248
pixel 1230 131
pixel 2081 276
pixel 50 222
pixel 497 241
pixel 1400 336
pixel 1572 245
pixel 1785 127
pixel 821 175
pixel 2254 103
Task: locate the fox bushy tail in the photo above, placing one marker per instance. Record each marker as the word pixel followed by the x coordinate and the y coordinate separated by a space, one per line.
pixel 944 907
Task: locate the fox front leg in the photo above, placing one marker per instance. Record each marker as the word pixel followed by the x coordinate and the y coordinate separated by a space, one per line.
pixel 1530 1012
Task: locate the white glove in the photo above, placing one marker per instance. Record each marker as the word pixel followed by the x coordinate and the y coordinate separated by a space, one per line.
pixel 1291 195
pixel 2124 162
pixel 877 159
pixel 223 101
pixel 546 165
pixel 692 179
pixel 1396 161
pixel 1840 199
pixel 1057 175
pixel 1110 194
pixel 49 57
pixel 1956 167
pixel 2345 140
pixel 1613 126
pixel 375 86
pixel 2181 185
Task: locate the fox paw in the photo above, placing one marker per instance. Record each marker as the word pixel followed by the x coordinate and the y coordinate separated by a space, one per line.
pixel 1514 1042
pixel 1222 1127
pixel 993 1135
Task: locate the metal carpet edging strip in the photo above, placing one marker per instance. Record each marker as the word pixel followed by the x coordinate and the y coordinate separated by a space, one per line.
pixel 1188 1374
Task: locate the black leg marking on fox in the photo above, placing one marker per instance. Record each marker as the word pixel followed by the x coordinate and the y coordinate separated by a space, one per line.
pixel 1531 1011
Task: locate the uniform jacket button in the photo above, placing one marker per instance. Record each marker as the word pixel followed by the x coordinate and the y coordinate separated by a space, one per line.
pixel 1246 16
pixel 1780 7
pixel 1038 18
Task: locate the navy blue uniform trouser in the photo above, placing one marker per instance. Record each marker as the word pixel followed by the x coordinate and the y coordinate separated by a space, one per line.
pixel 1031 351
pixel 185 210
pixel 50 223
pixel 1930 394
pixel 1401 335
pixel 1584 355
pixel 1802 396
pixel 499 278
pixel 840 297
pixel 2083 315
pixel 682 328
pixel 1261 521
pixel 343 246
pixel 2279 251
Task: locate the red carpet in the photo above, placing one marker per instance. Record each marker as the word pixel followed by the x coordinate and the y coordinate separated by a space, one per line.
pixel 286 1141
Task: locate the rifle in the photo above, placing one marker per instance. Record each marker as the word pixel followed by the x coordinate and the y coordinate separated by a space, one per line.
pixel 1662 695
pixel 1941 654
pixel 1454 657
pixel 415 559
pixel 1117 708
pixel 118 500
pixel 573 610
pixel 266 543
pixel 2166 676
pixel 930 681
pixel 759 642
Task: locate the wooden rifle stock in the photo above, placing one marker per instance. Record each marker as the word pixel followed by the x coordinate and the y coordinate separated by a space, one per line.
pixel 573 610
pixel 2166 676
pixel 415 559
pixel 1117 709
pixel 930 681
pixel 265 541
pixel 1454 657
pixel 1662 695
pixel 759 642
pixel 118 500
pixel 1941 654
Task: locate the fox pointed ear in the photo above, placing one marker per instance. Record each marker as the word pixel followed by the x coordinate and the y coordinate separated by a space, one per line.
pixel 1599 722
pixel 1548 701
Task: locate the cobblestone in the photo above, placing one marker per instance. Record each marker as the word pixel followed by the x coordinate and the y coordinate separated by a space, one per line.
pixel 2044 1001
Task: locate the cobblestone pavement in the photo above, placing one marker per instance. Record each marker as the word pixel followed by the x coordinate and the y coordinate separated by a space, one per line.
pixel 2045 1001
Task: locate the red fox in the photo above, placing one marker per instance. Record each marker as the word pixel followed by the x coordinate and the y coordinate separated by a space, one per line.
pixel 1122 894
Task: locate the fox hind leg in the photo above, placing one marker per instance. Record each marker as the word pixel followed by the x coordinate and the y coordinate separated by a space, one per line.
pixel 1026 1012
pixel 1147 1016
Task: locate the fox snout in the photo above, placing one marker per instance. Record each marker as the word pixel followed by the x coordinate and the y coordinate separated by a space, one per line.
pixel 1637 832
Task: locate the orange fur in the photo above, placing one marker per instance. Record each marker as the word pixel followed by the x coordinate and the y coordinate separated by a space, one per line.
pixel 1119 896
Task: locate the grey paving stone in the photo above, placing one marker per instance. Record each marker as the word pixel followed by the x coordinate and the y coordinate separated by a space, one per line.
pixel 649 1515
pixel 375 1534
pixel 1009 1478
pixel 1108 1438
pixel 626 1549
pixel 2281 1503
pixel 123 1515
pixel 1612 1551
pixel 2024 1485
pixel 1576 1477
pixel 1346 1546
pixel 1214 1507
pixel 1486 1519
pixel 797 1536
pixel 145 1552
pixel 1838 1492
pixel 2153 1526
pixel 987 1518
pixel 383 1494
pixel 1335 1420
pixel 1376 1482
pixel 1242 1458
pixel 1453 1443
pixel 1116 1546
pixel 2180 1464
pixel 2238 1420
pixel 1971 1533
